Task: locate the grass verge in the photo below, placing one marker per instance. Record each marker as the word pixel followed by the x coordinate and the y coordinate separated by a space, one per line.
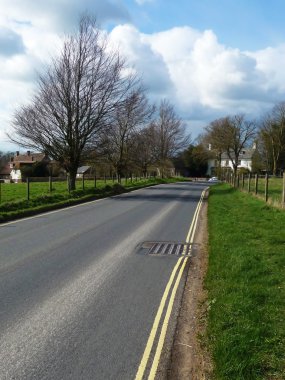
pixel 47 202
pixel 246 285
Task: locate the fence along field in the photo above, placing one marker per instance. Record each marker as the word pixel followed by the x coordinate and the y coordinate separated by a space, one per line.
pixel 271 189
pixel 35 187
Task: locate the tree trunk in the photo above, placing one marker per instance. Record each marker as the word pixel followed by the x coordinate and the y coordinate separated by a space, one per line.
pixel 72 180
pixel 72 177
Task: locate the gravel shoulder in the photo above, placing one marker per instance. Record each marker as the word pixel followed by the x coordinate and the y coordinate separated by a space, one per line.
pixel 190 358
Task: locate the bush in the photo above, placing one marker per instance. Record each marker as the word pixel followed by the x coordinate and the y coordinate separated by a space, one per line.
pixel 118 188
pixel 107 188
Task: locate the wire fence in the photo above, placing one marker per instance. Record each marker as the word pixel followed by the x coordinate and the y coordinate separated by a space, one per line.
pixel 35 187
pixel 269 188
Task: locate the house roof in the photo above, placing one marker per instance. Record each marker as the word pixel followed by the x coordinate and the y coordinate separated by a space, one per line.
pixel 83 169
pixel 245 154
pixel 29 158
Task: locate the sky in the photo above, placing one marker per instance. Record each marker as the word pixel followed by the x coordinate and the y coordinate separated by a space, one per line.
pixel 209 58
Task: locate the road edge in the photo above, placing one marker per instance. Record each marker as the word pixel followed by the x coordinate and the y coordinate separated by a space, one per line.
pixel 190 358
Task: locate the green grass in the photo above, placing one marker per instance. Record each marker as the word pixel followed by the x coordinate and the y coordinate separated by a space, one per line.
pixel 246 284
pixel 14 201
pixel 11 192
pixel 275 187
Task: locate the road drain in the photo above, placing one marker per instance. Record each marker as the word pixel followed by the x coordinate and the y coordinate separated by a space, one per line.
pixel 165 248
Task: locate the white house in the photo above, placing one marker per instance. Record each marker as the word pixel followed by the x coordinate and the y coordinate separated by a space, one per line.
pixel 245 161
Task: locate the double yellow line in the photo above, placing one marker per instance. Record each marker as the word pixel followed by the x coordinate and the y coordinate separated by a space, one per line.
pixel 181 263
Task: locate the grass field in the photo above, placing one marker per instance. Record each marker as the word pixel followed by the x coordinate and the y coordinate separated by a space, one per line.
pixel 14 202
pixel 275 187
pixel 246 284
pixel 13 192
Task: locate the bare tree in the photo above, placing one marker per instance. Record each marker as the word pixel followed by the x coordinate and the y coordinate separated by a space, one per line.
pixel 238 134
pixel 75 97
pixel 213 138
pixel 143 149
pixel 272 134
pixel 231 135
pixel 169 134
pixel 128 118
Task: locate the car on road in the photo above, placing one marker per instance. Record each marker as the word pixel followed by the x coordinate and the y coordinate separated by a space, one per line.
pixel 213 179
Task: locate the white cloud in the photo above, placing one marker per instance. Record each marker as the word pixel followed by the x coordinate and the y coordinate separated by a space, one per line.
pixel 207 78
pixel 202 77
pixel 150 65
pixel 60 15
pixel 31 32
pixel 11 43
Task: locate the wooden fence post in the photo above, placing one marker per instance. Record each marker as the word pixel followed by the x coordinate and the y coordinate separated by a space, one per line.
pixel 50 183
pixel 0 191
pixel 95 179
pixel 28 188
pixel 249 180
pixel 242 180
pixel 256 184
pixel 283 191
pixel 266 187
pixel 83 182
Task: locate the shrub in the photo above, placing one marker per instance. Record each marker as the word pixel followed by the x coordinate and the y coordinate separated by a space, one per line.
pixel 118 188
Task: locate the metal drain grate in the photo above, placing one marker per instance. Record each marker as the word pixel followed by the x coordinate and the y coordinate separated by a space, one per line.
pixel 167 248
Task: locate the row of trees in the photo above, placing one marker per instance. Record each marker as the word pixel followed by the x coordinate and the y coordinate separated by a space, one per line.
pixel 90 104
pixel 271 137
pixel 233 134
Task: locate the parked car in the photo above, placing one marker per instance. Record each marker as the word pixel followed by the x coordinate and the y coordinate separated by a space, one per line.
pixel 213 179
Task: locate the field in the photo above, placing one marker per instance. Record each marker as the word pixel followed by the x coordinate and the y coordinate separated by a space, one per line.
pixel 246 285
pixel 15 201
pixel 13 192
pixel 275 187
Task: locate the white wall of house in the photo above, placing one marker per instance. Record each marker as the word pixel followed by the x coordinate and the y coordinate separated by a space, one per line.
pixel 227 163
pixel 244 163
pixel 16 175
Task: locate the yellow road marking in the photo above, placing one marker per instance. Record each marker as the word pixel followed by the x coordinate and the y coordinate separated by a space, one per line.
pixel 153 332
pixel 195 218
pixel 165 323
pixel 147 351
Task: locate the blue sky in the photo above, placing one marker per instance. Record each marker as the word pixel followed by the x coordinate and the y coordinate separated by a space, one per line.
pixel 246 24
pixel 210 58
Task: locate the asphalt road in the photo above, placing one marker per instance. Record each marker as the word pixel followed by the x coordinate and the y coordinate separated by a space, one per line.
pixel 78 298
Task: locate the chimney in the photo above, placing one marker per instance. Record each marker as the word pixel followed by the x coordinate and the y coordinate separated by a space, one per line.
pixel 17 153
pixel 28 152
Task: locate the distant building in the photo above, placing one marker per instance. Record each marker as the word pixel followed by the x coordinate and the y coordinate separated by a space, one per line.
pixel 245 161
pixel 28 159
pixel 83 170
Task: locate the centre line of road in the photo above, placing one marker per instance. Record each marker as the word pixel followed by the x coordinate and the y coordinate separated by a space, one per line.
pixel 182 260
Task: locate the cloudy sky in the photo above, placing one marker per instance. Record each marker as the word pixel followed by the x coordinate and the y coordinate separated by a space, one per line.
pixel 210 58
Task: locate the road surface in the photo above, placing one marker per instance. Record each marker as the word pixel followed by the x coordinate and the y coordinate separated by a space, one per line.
pixel 79 293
